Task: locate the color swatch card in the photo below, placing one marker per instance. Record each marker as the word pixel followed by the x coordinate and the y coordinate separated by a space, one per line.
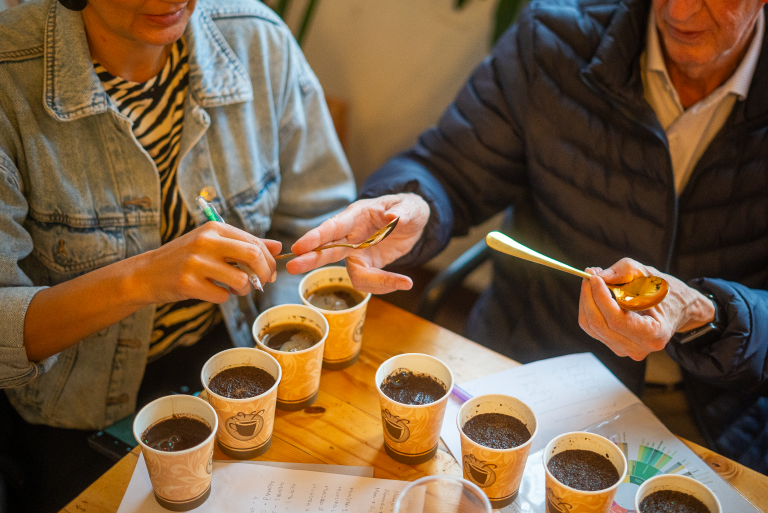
pixel 240 487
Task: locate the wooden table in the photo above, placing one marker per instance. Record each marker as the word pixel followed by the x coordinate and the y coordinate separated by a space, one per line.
pixel 344 426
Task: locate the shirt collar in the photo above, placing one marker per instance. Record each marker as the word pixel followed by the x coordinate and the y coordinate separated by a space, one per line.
pixel 738 83
pixel 72 89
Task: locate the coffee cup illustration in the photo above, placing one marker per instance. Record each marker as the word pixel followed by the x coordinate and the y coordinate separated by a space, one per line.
pixel 478 471
pixel 245 426
pixel 555 504
pixel 395 428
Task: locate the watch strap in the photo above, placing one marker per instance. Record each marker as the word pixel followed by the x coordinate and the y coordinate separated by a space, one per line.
pixel 707 334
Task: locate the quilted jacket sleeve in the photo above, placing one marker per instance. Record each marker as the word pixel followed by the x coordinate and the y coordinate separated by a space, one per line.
pixel 739 360
pixel 471 165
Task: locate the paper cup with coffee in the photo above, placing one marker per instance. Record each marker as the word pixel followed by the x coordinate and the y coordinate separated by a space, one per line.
pixel 413 390
pixel 176 435
pixel 295 336
pixel 241 384
pixel 670 491
pixel 496 435
pixel 571 488
pixel 330 290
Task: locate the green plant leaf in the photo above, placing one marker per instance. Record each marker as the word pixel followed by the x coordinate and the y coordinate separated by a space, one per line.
pixel 506 12
pixel 281 7
pixel 306 20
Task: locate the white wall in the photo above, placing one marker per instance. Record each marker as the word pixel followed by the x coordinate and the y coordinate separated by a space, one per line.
pixel 398 64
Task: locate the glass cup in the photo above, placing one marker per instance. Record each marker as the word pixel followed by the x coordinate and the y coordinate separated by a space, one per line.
pixel 245 425
pixel 300 382
pixel 561 497
pixel 679 484
pixel 442 494
pixel 497 471
pixel 181 480
pixel 345 335
pixel 411 432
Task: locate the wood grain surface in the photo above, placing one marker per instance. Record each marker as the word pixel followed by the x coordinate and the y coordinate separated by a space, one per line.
pixel 344 426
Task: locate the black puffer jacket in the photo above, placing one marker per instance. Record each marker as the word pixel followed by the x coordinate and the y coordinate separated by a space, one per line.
pixel 554 124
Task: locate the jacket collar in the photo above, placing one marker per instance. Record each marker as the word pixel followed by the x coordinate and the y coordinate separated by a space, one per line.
pixel 72 89
pixel 615 66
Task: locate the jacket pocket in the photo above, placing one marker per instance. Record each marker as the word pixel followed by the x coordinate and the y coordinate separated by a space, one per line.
pixel 254 208
pixel 69 252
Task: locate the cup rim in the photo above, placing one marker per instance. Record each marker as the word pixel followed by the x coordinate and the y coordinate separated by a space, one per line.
pixel 214 428
pixel 246 399
pixel 304 301
pixel 442 399
pixel 413 484
pixel 676 477
pixel 480 446
pixel 270 350
pixel 576 490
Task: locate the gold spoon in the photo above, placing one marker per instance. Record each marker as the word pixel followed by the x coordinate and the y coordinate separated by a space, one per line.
pixel 367 243
pixel 639 294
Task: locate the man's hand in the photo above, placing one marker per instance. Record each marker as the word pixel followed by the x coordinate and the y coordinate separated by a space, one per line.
pixel 636 334
pixel 355 224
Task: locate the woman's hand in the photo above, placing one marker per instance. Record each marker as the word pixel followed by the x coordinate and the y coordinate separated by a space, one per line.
pixel 355 224
pixel 187 267
pixel 636 334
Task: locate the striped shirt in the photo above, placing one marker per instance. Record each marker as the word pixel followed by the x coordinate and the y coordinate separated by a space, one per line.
pixel 156 108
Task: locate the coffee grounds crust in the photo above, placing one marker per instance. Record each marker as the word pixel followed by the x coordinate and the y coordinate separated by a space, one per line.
pixel 176 433
pixel 406 387
pixel 583 470
pixel 241 382
pixel 672 501
pixel 496 431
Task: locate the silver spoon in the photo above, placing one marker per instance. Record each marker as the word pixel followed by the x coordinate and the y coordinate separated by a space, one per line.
pixel 374 239
pixel 642 293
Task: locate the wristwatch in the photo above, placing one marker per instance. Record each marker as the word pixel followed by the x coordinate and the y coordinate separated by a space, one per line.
pixel 704 335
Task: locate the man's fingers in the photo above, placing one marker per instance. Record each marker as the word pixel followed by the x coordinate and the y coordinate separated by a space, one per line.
pixel 369 279
pixel 314 259
pixel 334 229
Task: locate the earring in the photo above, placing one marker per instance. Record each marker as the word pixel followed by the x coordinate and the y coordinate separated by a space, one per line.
pixel 74 5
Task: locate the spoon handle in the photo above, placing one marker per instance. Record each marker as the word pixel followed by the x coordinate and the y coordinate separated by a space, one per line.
pixel 329 246
pixel 501 242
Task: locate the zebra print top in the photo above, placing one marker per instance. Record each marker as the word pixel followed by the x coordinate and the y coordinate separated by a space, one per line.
pixel 156 108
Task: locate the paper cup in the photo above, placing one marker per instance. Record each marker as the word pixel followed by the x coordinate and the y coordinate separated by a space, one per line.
pixel 181 480
pixel 497 471
pixel 411 432
pixel 562 498
pixel 345 334
pixel 678 484
pixel 301 370
pixel 245 425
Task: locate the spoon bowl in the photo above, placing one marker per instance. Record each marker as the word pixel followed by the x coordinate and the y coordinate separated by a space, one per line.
pixel 374 239
pixel 642 293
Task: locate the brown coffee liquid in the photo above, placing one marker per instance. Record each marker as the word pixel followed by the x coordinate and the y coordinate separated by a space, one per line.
pixel 408 387
pixel 241 382
pixel 671 501
pixel 335 297
pixel 496 430
pixel 583 470
pixel 290 337
pixel 176 433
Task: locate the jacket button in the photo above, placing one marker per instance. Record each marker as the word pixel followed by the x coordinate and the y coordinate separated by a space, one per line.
pixel 208 193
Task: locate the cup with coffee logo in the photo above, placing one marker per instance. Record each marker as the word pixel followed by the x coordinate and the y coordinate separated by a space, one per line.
pixel 295 336
pixel 241 384
pixel 496 435
pixel 670 492
pixel 176 435
pixel 583 471
pixel 330 290
pixel 413 391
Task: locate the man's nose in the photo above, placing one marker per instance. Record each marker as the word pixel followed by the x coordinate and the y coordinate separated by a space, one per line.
pixel 681 10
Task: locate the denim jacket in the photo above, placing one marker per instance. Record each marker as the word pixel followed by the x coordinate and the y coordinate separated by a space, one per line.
pixel 78 192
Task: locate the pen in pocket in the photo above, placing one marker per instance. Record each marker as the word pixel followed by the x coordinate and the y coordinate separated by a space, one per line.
pixel 210 212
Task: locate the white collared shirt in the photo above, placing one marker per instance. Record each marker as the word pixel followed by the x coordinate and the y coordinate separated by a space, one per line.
pixel 690 131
